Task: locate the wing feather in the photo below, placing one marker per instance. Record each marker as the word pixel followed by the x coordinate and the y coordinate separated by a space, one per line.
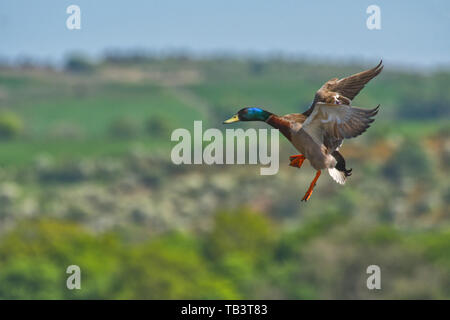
pixel 330 124
pixel 347 87
pixel 352 85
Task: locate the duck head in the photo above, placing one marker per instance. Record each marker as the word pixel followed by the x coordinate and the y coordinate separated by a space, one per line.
pixel 250 114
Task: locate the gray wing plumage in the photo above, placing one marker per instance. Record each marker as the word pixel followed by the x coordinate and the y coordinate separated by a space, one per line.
pixel 351 86
pixel 347 87
pixel 330 124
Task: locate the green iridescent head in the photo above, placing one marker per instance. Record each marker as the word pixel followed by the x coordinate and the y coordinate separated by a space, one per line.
pixel 250 114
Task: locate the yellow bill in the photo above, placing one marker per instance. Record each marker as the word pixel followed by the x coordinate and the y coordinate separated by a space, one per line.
pixel 234 118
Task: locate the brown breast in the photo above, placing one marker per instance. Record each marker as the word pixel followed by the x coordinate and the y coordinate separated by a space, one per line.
pixel 286 122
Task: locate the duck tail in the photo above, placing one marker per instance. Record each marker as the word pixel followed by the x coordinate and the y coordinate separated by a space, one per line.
pixel 339 173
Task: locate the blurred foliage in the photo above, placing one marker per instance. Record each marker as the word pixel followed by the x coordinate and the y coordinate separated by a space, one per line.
pixel 89 182
pixel 11 125
pixel 124 128
pixel 409 160
pixel 240 257
pixel 157 127
pixel 79 63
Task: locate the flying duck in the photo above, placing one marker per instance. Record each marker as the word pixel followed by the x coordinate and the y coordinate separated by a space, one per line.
pixel 318 132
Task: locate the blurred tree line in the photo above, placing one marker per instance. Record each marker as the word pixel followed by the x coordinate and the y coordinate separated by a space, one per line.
pixel 244 255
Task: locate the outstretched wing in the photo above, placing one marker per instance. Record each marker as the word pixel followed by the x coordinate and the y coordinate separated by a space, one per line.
pixel 329 124
pixel 347 87
pixel 351 86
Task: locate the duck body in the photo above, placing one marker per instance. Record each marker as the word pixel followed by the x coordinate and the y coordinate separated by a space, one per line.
pixel 290 126
pixel 317 154
pixel 318 133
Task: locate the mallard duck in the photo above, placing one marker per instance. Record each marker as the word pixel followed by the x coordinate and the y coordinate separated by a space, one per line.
pixel 318 132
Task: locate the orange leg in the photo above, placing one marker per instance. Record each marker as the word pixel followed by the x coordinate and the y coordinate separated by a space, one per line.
pixel 311 187
pixel 297 160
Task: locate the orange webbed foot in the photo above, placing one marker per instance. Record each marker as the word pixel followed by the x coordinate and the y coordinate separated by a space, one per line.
pixel 311 187
pixel 297 160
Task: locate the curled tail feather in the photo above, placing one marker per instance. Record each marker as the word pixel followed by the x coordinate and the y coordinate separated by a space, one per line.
pixel 339 173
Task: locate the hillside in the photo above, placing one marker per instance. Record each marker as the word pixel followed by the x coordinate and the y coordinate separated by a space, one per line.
pixel 85 172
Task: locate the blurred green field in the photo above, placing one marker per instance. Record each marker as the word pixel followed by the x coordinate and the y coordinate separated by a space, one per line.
pixel 86 104
pixel 92 111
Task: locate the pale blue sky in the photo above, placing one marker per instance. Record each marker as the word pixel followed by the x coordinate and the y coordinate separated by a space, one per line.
pixel 412 32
